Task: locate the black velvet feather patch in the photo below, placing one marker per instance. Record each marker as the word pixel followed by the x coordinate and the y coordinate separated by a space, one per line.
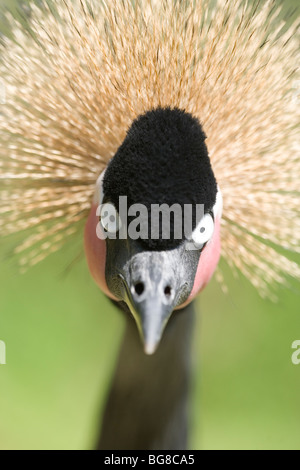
pixel 162 160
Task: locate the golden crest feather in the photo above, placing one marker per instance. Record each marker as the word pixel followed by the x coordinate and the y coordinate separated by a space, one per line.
pixel 84 70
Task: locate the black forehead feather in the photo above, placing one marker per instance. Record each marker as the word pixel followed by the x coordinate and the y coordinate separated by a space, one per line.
pixel 163 159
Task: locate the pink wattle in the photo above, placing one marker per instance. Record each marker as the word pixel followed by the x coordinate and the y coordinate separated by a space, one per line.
pixel 207 264
pixel 95 250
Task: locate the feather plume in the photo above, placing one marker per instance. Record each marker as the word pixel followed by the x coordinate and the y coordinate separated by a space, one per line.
pixel 83 70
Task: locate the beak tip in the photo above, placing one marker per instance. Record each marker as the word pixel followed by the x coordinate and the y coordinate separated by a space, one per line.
pixel 150 348
pixel 151 316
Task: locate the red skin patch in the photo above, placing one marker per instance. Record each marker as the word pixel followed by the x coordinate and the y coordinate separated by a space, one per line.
pixel 208 262
pixel 95 250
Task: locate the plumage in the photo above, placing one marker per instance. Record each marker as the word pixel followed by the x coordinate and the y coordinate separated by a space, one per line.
pixel 162 160
pixel 82 71
pixel 178 101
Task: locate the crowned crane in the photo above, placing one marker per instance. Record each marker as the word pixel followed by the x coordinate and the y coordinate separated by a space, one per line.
pixel 172 106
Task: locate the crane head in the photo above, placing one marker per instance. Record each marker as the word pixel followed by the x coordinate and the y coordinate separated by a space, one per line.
pixel 152 239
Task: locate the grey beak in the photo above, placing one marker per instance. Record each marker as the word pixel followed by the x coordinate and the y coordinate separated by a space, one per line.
pixel 152 283
pixel 151 304
pixel 156 282
pixel 153 317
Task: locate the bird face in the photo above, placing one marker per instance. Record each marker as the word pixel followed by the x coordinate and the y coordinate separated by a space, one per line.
pixel 152 239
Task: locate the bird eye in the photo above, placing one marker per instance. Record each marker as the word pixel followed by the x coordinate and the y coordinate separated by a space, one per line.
pixel 109 218
pixel 204 230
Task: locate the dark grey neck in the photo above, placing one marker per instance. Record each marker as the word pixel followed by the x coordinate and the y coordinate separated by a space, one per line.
pixel 147 403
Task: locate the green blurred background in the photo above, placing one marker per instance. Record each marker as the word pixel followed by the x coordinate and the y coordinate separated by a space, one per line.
pixel 62 338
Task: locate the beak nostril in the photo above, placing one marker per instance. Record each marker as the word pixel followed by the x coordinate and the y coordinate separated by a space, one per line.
pixel 139 288
pixel 168 291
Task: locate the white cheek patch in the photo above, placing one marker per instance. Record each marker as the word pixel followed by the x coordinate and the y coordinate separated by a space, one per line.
pixel 218 207
pixel 203 233
pixel 99 194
